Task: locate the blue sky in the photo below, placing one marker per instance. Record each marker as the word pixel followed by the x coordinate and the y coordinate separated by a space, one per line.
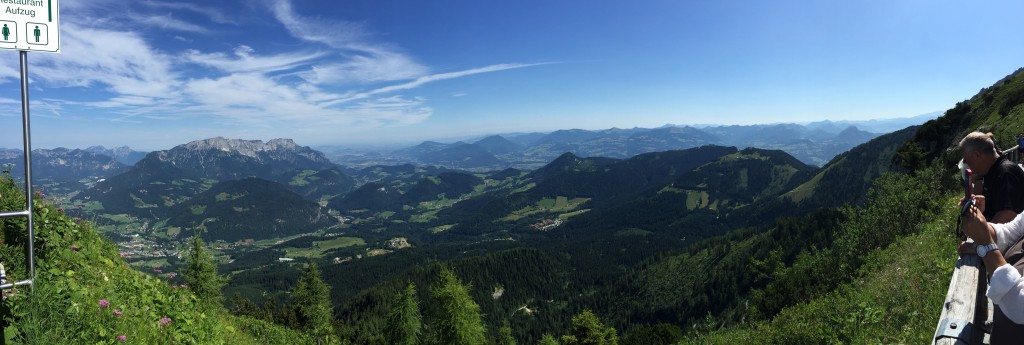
pixel 154 74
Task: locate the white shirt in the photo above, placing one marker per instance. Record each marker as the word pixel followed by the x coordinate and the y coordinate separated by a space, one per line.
pixel 1006 288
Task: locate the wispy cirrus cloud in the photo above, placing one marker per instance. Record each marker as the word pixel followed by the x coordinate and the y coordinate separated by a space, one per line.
pixel 122 62
pixel 334 33
pixel 432 78
pixel 331 74
pixel 214 14
pixel 168 22
pixel 244 61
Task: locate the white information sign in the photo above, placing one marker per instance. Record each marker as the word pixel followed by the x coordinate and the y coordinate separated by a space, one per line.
pixel 32 25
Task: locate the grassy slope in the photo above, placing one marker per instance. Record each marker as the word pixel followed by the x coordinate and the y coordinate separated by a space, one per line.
pixel 896 298
pixel 77 269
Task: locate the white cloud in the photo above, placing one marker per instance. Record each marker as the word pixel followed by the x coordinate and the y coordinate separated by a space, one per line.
pixel 244 61
pixel 121 61
pixel 130 80
pixel 334 33
pixel 432 78
pixel 215 15
pixel 384 66
pixel 168 22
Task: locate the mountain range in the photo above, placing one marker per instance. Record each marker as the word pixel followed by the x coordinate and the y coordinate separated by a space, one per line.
pixel 813 143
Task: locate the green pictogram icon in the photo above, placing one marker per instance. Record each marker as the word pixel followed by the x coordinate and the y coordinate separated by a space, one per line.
pixel 6 32
pixel 36 32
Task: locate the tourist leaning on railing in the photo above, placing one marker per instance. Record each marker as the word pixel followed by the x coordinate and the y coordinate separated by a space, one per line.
pixel 1001 248
pixel 1002 181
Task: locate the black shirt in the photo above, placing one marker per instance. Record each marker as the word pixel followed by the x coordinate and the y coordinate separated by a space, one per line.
pixel 1003 188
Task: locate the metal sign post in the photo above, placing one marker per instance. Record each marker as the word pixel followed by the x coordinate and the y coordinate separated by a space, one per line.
pixel 28 25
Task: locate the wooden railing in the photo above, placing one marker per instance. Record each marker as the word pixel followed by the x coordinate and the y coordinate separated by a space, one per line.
pixel 966 308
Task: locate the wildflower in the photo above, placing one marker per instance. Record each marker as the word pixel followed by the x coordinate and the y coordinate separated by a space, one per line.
pixel 104 303
pixel 172 275
pixel 74 247
pixel 157 270
pixel 78 219
pixel 122 338
pixel 184 287
pixel 123 254
pixel 117 312
pixel 164 321
pixel 60 209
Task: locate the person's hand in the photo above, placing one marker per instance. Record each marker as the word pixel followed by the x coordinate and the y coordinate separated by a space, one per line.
pixel 966 248
pixel 976 226
pixel 979 202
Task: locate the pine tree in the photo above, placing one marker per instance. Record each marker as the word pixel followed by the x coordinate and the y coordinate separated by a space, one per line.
pixel 505 335
pixel 547 339
pixel 587 329
pixel 201 273
pixel 312 303
pixel 405 323
pixel 459 321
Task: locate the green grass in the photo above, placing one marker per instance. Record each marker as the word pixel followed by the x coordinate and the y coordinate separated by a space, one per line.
pixel 560 204
pixel 303 178
pixel 573 213
pixel 441 228
pixel 319 247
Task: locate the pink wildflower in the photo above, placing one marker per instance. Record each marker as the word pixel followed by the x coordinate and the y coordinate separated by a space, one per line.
pixel 184 287
pixel 117 312
pixel 122 338
pixel 157 270
pixel 172 275
pixel 165 321
pixel 104 303
pixel 78 219
pixel 123 254
pixel 74 247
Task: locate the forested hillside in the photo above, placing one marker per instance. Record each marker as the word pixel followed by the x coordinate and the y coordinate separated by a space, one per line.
pixel 882 275
pixel 84 292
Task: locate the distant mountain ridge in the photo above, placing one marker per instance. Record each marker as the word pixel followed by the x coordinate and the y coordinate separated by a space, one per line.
pixel 176 183
pixel 222 158
pixel 123 154
pixel 813 144
pixel 62 165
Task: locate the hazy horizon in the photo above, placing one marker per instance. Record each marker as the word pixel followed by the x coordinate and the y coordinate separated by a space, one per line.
pixel 378 146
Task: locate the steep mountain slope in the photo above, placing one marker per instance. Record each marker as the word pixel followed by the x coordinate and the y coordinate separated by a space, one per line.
pixel 151 183
pixel 379 196
pixel 250 208
pixel 84 292
pixel 998 109
pixel 166 178
pixel 498 145
pixel 317 185
pixel 892 282
pixel 847 177
pixel 226 159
